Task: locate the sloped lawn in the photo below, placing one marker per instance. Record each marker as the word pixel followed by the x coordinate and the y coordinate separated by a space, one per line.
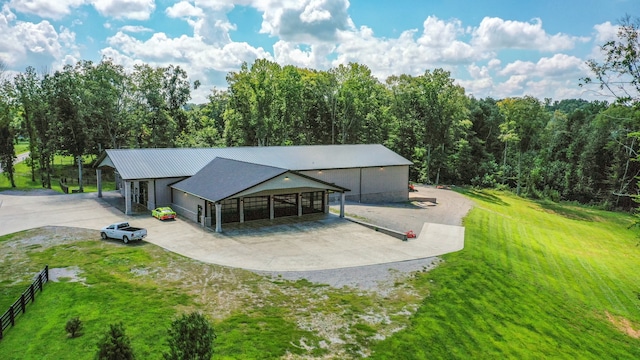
pixel 535 281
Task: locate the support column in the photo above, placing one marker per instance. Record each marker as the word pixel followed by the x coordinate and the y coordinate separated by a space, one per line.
pixel 326 202
pixel 241 207
pixel 271 212
pixel 342 205
pixel 299 204
pixel 218 217
pixel 99 180
pixel 127 197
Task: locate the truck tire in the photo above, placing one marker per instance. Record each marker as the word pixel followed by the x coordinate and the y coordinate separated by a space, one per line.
pixel 103 235
pixel 125 239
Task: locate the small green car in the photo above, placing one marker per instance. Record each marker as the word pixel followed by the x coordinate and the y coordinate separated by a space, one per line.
pixel 163 213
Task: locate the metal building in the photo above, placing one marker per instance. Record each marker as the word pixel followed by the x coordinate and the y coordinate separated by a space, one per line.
pixel 218 185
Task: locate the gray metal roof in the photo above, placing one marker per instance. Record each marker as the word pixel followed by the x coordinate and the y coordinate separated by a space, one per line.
pixel 222 178
pixel 181 162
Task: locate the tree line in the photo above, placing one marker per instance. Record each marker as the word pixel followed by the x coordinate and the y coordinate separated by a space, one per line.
pixel 572 150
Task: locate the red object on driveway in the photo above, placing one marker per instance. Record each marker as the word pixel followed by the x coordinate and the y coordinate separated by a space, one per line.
pixel 411 234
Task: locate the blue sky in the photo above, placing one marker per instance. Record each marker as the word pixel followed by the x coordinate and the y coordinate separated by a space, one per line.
pixel 492 48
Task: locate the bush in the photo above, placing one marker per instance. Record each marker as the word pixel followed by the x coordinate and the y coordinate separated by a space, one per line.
pixel 73 327
pixel 190 337
pixel 115 345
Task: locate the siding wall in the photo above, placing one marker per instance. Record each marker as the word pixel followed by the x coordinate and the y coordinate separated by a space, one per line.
pixel 186 205
pixel 163 191
pixel 389 183
pixel 368 185
pixel 347 178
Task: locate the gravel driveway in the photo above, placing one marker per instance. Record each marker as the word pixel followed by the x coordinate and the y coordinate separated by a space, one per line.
pixel 450 208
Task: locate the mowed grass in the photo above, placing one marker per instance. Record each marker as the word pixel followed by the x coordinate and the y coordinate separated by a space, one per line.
pixel 63 168
pixel 535 281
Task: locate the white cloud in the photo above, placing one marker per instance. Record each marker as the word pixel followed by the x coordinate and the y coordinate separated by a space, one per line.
pixel 48 9
pixel 496 33
pixel 184 9
pixel 36 44
pixel 305 20
pixel 557 65
pixel 605 32
pixel 481 80
pixel 163 50
pixel 438 33
pixel 290 53
pixel 410 53
pixel 125 9
pixel 135 29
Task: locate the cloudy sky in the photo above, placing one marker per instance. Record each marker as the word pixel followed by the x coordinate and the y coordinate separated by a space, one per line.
pixel 495 48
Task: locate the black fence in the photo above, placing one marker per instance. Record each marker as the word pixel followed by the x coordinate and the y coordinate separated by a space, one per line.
pixel 20 306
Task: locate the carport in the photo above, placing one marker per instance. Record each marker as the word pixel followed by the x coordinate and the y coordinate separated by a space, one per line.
pixel 228 191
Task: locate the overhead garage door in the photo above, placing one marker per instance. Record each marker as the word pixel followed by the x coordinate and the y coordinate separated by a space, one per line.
pixel 256 208
pixel 285 205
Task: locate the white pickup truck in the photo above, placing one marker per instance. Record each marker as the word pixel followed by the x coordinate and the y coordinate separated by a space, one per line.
pixel 122 231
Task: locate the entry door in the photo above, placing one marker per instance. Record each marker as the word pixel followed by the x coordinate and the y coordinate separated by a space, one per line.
pixel 199 213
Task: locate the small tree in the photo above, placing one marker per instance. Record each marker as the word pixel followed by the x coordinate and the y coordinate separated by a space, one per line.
pixel 73 327
pixel 115 345
pixel 619 72
pixel 190 337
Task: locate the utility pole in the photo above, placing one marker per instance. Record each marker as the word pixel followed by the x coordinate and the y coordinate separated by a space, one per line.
pixel 80 173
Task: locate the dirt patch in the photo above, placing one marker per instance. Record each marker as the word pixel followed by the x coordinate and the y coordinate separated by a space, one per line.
pixel 624 325
pixel 68 274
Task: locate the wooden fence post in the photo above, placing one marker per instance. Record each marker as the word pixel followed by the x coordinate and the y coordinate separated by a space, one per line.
pixel 46 272
pixel 33 294
pixel 12 318
pixel 22 304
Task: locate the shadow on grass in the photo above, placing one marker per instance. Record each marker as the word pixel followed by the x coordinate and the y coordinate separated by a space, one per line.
pixel 482 195
pixel 568 212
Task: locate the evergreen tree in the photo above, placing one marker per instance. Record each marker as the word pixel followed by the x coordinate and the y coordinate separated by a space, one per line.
pixel 115 345
pixel 190 338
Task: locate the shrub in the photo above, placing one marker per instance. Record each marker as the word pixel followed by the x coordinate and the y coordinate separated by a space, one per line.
pixel 115 345
pixel 73 327
pixel 190 337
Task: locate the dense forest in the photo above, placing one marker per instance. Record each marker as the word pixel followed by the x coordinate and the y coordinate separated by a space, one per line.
pixel 573 150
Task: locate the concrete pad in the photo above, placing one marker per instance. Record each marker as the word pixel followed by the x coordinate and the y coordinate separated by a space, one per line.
pixel 315 242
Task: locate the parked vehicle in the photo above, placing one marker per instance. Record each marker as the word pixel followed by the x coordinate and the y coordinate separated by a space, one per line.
pixel 122 231
pixel 163 213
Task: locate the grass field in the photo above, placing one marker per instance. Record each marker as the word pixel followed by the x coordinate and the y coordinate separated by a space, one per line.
pixel 535 281
pixel 63 168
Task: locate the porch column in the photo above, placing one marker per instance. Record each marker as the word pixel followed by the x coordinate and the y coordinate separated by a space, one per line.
pixel 342 205
pixel 326 202
pixel 241 210
pixel 99 180
pixel 218 217
pixel 271 212
pixel 127 197
pixel 299 204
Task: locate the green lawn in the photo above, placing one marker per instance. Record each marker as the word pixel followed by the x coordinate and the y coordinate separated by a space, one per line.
pixel 535 281
pixel 63 168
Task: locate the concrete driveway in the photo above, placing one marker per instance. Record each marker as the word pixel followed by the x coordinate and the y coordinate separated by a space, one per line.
pixel 288 244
